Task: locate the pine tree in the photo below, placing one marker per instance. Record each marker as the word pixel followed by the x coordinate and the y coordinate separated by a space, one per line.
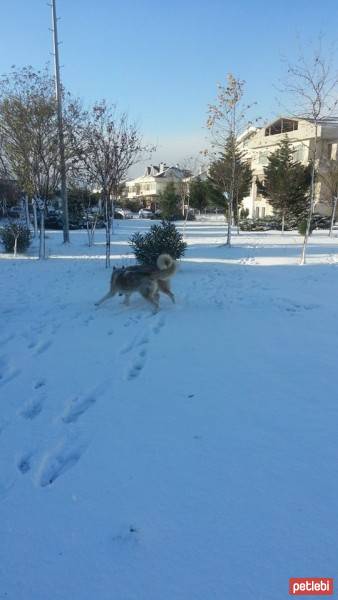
pixel 286 183
pixel 221 178
pixel 198 194
pixel 169 201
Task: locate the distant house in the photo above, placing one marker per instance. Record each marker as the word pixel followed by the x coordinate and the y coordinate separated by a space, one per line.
pixel 257 143
pixel 145 190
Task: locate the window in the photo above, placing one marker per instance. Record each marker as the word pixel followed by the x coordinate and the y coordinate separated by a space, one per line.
pixel 263 211
pixel 257 212
pixel 281 126
pixel 329 151
pixel 263 158
pixel 299 152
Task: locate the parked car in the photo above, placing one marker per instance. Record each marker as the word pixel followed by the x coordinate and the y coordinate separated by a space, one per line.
pixel 123 213
pixel 191 215
pixel 52 222
pixel 320 221
pixel 145 213
pixel 13 213
pixel 91 218
pixel 75 224
pixel 56 222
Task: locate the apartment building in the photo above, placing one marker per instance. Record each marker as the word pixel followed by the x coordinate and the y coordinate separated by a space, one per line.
pixel 257 143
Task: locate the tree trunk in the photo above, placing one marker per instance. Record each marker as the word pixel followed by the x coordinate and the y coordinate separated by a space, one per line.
pixel 112 210
pixel 15 245
pixel 283 222
pixel 42 247
pixel 88 232
pixel 28 223
pixel 35 216
pixel 186 217
pixel 108 230
pixel 233 175
pixel 229 222
pixel 333 216
pixel 312 199
pixel 92 232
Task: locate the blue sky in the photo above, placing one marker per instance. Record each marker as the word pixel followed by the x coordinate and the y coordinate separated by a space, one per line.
pixel 161 60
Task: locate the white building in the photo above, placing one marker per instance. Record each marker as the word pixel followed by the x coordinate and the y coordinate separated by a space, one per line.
pixel 257 143
pixel 145 190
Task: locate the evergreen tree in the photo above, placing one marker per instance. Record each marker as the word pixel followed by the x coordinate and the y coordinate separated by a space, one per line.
pixel 286 183
pixel 198 194
pixel 161 239
pixel 169 201
pixel 222 179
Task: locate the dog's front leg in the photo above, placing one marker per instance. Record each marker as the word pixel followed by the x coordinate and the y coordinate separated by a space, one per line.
pixel 126 300
pixel 106 297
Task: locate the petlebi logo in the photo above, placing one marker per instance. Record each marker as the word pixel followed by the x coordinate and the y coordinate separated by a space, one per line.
pixel 311 586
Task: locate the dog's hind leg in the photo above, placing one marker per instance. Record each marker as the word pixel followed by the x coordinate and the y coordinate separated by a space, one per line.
pixel 165 289
pixel 152 296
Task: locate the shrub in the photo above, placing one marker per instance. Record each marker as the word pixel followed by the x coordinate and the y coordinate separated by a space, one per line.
pixel 244 213
pixel 12 232
pixel 163 238
pixel 302 225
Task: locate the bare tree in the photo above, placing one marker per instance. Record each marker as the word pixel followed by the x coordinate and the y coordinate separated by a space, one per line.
pixel 312 85
pixel 329 179
pixel 226 120
pixel 109 145
pixel 29 134
pixel 192 165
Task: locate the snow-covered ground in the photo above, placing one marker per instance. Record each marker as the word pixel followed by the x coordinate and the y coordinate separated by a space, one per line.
pixel 190 455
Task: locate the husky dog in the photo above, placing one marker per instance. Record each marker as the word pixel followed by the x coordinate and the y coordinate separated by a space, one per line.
pixel 146 279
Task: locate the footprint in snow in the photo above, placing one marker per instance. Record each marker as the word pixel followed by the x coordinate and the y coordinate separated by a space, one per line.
pixel 88 320
pixel 5 487
pixel 135 342
pixel 160 323
pixel 24 464
pixel 137 365
pixel 139 361
pixel 127 535
pixel 42 347
pixel 127 348
pixel 7 371
pixel 39 384
pixel 144 340
pixel 32 409
pixel 132 320
pixel 77 407
pixel 7 339
pixel 58 462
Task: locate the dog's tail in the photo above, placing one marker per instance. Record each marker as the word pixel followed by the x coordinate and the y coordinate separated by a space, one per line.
pixel 166 266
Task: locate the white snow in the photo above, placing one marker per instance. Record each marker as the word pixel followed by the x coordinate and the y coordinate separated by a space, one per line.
pixel 190 455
